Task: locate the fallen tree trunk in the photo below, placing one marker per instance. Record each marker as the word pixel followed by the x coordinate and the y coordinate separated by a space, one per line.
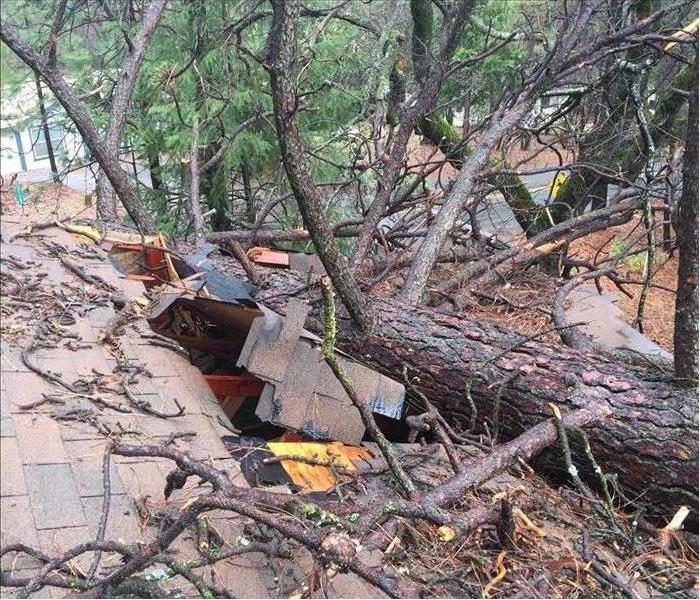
pixel 650 441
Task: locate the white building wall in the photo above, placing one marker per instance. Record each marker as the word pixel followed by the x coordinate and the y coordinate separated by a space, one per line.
pixel 19 115
pixel 11 155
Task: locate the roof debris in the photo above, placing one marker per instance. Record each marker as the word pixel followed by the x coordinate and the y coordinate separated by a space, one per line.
pixel 301 465
pixel 301 391
pixel 140 258
pixel 208 311
pixel 294 261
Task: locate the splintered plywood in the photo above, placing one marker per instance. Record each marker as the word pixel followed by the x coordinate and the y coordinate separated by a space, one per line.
pixel 317 477
pixel 302 393
pixel 202 323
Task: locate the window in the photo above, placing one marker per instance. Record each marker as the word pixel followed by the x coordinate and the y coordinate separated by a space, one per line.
pixel 39 149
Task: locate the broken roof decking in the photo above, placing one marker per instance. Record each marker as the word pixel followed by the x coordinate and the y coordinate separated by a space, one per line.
pixel 213 312
pixel 302 392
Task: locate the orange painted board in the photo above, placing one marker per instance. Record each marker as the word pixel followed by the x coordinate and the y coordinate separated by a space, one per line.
pixel 267 256
pixel 237 386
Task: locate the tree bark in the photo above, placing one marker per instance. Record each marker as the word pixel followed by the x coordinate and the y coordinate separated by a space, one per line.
pixel 75 109
pixel 440 131
pixel 250 212
pixel 106 201
pixel 685 336
pixel 530 216
pixel 281 53
pixel 154 169
pixel 650 441
pixel 214 186
pixel 614 128
pixel 195 206
pixel 624 156
pixel 121 97
pixel 45 127
pixel 417 277
pixel 422 38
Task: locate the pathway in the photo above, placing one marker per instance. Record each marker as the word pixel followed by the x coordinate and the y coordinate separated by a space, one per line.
pixel 81 180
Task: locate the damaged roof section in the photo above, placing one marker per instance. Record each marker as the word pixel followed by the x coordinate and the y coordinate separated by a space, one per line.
pixel 301 391
pixel 206 310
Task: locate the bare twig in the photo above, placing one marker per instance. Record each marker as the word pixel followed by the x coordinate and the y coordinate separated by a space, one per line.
pixel 146 406
pixel 106 497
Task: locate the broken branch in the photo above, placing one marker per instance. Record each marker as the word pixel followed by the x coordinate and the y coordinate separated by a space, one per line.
pixel 328 353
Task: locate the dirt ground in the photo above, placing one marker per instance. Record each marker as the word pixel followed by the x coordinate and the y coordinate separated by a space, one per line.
pixel 44 200
pixel 523 304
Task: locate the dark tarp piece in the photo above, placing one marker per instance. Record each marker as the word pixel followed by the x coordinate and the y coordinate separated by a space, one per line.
pixel 219 285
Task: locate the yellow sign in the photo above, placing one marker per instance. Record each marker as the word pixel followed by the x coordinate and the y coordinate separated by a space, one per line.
pixel 557 184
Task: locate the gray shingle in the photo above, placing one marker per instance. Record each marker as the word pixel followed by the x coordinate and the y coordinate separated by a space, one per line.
pixel 302 392
pixel 54 496
pixel 12 480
